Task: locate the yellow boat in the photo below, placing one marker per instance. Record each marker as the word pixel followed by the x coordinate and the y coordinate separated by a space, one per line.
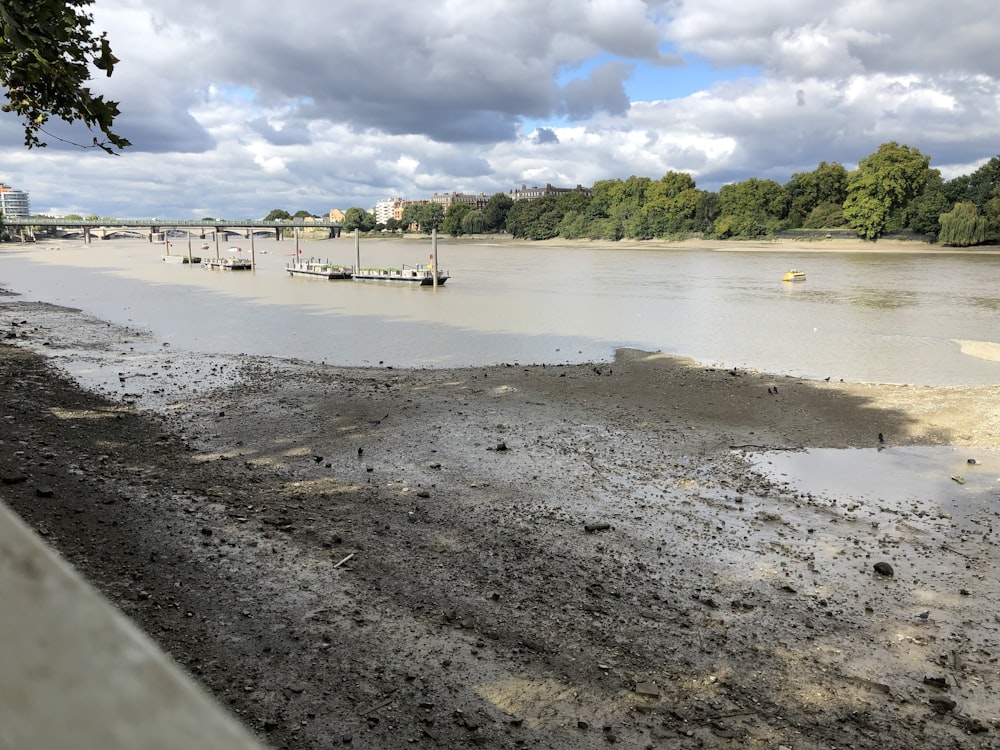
pixel 794 275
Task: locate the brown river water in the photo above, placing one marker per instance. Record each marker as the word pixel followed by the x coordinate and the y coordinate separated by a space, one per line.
pixel 896 317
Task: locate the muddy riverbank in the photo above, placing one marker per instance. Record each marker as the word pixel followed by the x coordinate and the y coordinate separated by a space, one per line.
pixel 512 556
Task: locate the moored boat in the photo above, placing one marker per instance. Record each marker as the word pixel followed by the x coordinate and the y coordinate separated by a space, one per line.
pixel 423 275
pixel 180 259
pixel 318 269
pixel 794 275
pixel 228 264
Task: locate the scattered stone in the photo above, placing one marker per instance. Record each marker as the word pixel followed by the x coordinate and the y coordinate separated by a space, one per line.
pixel 942 705
pixel 938 682
pixel 884 569
pixel 590 528
pixel 648 689
pixel 44 492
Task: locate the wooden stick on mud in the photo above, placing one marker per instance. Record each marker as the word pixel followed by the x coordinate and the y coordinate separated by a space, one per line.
pixel 344 560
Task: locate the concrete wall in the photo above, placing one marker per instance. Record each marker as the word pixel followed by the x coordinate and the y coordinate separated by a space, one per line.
pixel 75 673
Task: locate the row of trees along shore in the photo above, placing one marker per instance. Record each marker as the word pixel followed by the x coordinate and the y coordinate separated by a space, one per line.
pixel 893 191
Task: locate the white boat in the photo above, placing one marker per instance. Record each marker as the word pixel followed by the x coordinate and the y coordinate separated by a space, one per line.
pixel 168 258
pixel 318 269
pixel 422 275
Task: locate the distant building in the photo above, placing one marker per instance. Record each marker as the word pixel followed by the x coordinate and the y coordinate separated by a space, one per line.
pixel 388 208
pixel 336 215
pixel 531 193
pixel 477 200
pixel 14 202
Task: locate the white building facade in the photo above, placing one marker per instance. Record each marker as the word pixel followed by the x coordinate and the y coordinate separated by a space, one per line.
pixel 385 209
pixel 14 203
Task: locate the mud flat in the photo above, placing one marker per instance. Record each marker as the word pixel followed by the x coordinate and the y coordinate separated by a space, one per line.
pixel 517 555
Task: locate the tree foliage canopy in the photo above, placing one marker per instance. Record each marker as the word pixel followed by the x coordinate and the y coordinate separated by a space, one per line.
pixel 881 187
pixel 46 54
pixel 453 219
pixel 358 218
pixel 752 208
pixel 963 226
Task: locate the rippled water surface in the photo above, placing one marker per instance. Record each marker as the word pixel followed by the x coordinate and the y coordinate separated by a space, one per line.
pixel 927 318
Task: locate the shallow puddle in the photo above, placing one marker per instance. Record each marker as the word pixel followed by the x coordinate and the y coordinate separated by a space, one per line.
pixel 959 483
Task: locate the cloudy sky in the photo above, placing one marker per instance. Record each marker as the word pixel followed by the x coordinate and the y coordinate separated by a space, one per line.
pixel 235 108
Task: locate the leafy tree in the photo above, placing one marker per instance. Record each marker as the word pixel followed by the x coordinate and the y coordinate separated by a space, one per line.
pixel 825 216
pixel 431 216
pixel 807 190
pixel 302 214
pixel 752 208
pixel 358 218
pixel 496 210
pixel 573 225
pixel 278 214
pixel 603 198
pixel 962 226
pixel 881 187
pixel 535 219
pixel 393 224
pixel 984 183
pixel 453 219
pixel 622 201
pixel 73 217
pixel 706 212
pixel 670 206
pixel 411 215
pixel 674 183
pixel 474 222
pixel 923 213
pixel 991 212
pixel 46 54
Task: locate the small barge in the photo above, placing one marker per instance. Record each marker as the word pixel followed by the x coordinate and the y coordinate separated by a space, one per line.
pixel 228 264
pixel 422 275
pixel 317 269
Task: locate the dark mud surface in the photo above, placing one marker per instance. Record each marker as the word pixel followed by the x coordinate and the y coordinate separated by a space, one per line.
pixel 552 557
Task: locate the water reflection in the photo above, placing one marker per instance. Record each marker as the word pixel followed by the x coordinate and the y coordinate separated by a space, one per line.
pixel 987 303
pixel 881 299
